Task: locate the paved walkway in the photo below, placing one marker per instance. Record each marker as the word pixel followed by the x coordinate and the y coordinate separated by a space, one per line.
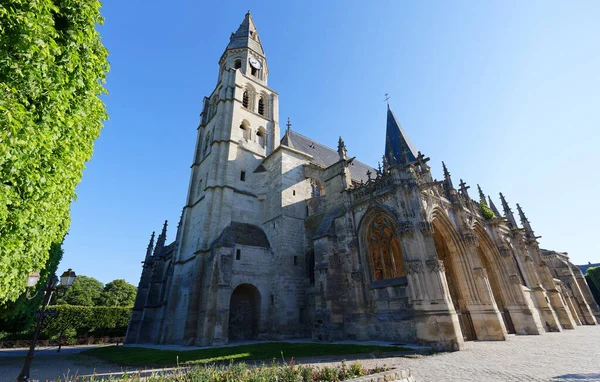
pixel 570 356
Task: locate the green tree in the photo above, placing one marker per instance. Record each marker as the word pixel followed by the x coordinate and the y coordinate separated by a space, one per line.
pixel 52 69
pixel 593 278
pixel 85 291
pixel 118 293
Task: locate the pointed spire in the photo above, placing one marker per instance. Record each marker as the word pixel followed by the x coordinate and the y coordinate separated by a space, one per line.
pixel 398 146
pixel 160 242
pixel 482 198
pixel 493 207
pixel 150 247
pixel 447 177
pixel 525 222
pixel 246 36
pixel 342 149
pixel 508 214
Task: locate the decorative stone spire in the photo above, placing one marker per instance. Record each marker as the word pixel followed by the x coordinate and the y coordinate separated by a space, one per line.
pixel 150 247
pixel 398 147
pixel 482 198
pixel 160 242
pixel 493 207
pixel 464 189
pixel 447 177
pixel 525 223
pixel 342 149
pixel 508 214
pixel 246 36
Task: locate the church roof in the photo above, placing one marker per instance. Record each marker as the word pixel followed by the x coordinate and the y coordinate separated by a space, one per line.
pixel 323 155
pixel 246 36
pixel 396 140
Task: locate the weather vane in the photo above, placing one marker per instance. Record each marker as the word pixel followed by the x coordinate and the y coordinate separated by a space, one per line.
pixel 387 97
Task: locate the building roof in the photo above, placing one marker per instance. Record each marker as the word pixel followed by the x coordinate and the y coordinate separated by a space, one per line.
pixel 396 141
pixel 246 36
pixel 584 268
pixel 323 155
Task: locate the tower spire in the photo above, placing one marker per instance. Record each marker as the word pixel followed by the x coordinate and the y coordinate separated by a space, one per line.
pixel 398 146
pixel 150 247
pixel 447 177
pixel 512 223
pixel 246 36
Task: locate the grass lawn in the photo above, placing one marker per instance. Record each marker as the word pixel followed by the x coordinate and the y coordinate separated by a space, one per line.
pixel 259 351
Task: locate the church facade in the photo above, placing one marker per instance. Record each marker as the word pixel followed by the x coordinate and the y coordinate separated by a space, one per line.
pixel 287 238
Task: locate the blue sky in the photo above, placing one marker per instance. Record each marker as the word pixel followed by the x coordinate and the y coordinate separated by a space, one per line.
pixel 507 93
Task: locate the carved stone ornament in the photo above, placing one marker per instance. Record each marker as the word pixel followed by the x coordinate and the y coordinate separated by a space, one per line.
pixel 514 279
pixel 528 258
pixel 356 276
pixel 435 265
pixel 505 251
pixel 480 272
pixel 414 267
pixel 406 228
pixel 426 228
pixel 470 239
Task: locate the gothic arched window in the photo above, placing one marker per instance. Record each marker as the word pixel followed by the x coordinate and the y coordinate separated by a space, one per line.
pixel 237 64
pixel 385 254
pixel 316 189
pixel 261 106
pixel 261 137
pixel 245 99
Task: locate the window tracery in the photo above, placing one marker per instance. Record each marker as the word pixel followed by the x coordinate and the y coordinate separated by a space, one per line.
pixel 384 249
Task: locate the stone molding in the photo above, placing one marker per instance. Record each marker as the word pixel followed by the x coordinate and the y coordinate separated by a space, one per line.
pixel 480 272
pixel 414 267
pixel 426 228
pixel 406 228
pixel 470 239
pixel 435 265
pixel 505 251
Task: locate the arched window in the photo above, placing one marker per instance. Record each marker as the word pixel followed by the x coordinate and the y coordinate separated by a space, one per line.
pixel 261 106
pixel 245 127
pixel 261 137
pixel 237 64
pixel 206 143
pixel 245 99
pixel 316 189
pixel 385 254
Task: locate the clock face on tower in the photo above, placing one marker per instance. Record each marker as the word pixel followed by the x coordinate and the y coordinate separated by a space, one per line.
pixel 254 63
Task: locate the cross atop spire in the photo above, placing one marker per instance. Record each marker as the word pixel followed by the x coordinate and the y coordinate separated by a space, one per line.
pixel 246 36
pixel 398 146
pixel 288 124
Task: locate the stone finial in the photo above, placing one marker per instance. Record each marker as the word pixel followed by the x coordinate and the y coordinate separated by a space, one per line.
pixel 160 242
pixel 342 149
pixel 508 214
pixel 482 197
pixel 447 177
pixel 464 188
pixel 385 162
pixel 150 247
pixel 525 222
pixel 493 207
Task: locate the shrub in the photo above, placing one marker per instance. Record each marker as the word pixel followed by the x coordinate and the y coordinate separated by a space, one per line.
pixel 86 321
pixel 486 211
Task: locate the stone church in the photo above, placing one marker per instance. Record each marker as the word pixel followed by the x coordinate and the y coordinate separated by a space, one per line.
pixel 284 238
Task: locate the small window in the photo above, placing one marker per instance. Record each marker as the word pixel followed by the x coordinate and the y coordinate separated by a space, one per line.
pixel 295 260
pixel 306 210
pixel 199 189
pixel 253 71
pixel 260 138
pixel 238 254
pixel 245 99
pixel 294 192
pixel 238 64
pixel 261 106
pixel 243 176
pixel 272 300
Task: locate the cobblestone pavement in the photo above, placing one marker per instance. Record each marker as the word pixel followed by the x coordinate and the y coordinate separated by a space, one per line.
pixel 572 355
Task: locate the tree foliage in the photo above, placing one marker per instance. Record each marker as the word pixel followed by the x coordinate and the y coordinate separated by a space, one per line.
pixel 52 69
pixel 82 321
pixel 486 211
pixel 85 291
pixel 118 293
pixel 593 278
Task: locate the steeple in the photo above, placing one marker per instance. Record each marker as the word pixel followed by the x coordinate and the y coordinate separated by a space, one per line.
pixel 150 247
pixel 398 148
pixel 493 207
pixel 525 222
pixel 246 37
pixel 481 195
pixel 160 242
pixel 512 223
pixel 342 149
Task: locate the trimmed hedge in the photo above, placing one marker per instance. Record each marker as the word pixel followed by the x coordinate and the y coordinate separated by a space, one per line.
pixel 86 321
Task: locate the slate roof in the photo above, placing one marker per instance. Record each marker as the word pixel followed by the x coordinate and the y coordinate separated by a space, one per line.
pixel 243 234
pixel 396 139
pixel 323 155
pixel 246 36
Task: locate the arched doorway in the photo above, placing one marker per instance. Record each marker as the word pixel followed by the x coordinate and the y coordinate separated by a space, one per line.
pixel 244 313
pixel 443 245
